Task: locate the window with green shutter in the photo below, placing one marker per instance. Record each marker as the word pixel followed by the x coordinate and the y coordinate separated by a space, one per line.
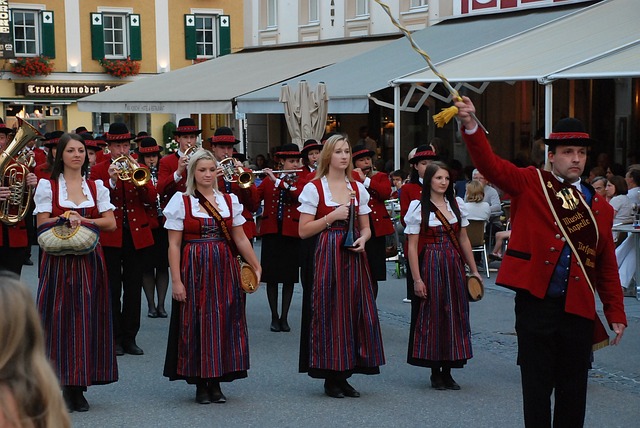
pixel 33 32
pixel 116 36
pixel 207 36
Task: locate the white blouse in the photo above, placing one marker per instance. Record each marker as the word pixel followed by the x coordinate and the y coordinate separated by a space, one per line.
pixel 309 197
pixel 174 212
pixel 413 218
pixel 43 197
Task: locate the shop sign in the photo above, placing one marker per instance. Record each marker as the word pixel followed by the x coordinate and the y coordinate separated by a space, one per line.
pixel 61 90
pixel 6 36
pixel 469 7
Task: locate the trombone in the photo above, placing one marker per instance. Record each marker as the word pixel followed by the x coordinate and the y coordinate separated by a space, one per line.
pixel 130 170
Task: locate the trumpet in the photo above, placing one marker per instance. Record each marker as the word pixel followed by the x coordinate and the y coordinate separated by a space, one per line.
pixel 236 174
pixel 130 170
pixel 190 151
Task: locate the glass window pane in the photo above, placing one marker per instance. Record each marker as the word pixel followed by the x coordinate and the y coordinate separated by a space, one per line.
pixel 20 47
pixel 118 37
pixel 119 50
pixel 108 49
pixel 30 33
pixel 31 47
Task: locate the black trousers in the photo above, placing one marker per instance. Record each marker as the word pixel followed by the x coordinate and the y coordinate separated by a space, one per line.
pixel 554 353
pixel 126 266
pixel 11 259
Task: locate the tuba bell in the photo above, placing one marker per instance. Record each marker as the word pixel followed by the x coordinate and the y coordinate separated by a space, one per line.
pixel 14 167
pixel 232 173
pixel 130 170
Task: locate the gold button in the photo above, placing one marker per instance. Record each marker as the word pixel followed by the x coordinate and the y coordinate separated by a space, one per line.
pixel 558 236
pixel 547 262
pixel 552 249
pixel 577 278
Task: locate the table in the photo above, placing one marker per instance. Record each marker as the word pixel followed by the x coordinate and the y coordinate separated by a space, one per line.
pixel 633 234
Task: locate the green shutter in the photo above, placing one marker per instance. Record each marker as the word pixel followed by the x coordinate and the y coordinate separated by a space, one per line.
pixel 224 34
pixel 97 36
pixel 135 37
pixel 190 47
pixel 9 53
pixel 48 34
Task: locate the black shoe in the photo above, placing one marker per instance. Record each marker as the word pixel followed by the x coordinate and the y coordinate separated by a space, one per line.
pixel 332 389
pixel 275 325
pixel 437 382
pixel 132 349
pixel 284 326
pixel 202 395
pixel 27 262
pixel 152 313
pixel 67 394
pixel 161 312
pixel 348 390
pixel 119 350
pixel 215 393
pixel 80 404
pixel 449 383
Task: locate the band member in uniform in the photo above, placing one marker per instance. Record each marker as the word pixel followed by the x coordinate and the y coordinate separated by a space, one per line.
pixel 172 175
pixel 73 292
pixel 127 250
pixel 561 252
pixel 379 187
pixel 50 142
pixel 156 275
pixel 344 333
pixel 208 341
pixel 310 156
pixel 14 241
pixel 440 335
pixel 222 144
pixel 279 232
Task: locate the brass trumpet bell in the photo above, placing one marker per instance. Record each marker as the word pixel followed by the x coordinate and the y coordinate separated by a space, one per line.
pixel 236 174
pixel 130 170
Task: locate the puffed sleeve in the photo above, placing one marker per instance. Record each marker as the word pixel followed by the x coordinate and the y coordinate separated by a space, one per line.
pixel 363 203
pixel 309 199
pixel 464 213
pixel 413 218
pixel 174 213
pixel 236 211
pixel 104 198
pixel 43 197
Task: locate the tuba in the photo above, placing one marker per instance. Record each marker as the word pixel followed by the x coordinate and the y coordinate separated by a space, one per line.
pixel 130 170
pixel 232 173
pixel 14 167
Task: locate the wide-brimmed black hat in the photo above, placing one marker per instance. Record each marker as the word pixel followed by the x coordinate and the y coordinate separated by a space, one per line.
pixel 240 156
pixel 140 135
pixel 51 138
pixel 118 133
pixel 361 151
pixel 4 129
pixel 224 137
pixel 569 132
pixel 81 130
pixel 288 151
pixel 423 152
pixel 187 126
pixel 148 146
pixel 90 142
pixel 310 145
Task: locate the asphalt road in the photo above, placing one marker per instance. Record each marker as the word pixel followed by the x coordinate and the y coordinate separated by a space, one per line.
pixel 276 395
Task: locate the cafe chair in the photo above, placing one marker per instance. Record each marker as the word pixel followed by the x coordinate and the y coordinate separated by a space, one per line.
pixel 475 232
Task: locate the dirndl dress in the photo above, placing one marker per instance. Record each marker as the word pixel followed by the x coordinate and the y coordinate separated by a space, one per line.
pixel 75 305
pixel 208 336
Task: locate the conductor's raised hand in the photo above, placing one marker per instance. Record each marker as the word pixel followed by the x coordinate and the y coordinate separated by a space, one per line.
pixel 466 110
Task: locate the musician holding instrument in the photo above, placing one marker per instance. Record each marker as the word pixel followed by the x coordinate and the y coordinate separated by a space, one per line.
pixel 208 340
pixel 16 191
pixel 310 155
pixel 172 171
pixel 279 232
pixel 127 249
pixel 379 187
pixel 156 275
pixel 73 291
pixel 222 144
pixel 344 331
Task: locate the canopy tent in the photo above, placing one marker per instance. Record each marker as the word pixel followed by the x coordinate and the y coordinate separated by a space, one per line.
pixel 212 86
pixel 352 81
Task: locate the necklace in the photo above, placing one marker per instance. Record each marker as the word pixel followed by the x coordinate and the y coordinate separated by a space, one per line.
pixel 444 204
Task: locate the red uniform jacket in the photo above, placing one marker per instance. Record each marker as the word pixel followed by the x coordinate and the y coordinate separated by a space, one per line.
pixel 250 201
pixel 290 216
pixel 135 199
pixel 536 240
pixel 39 155
pixel 167 186
pixel 410 191
pixel 380 190
pixel 40 172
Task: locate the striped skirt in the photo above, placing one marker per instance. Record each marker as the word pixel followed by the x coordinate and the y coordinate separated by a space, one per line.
pixel 440 328
pixel 345 331
pixel 75 306
pixel 208 337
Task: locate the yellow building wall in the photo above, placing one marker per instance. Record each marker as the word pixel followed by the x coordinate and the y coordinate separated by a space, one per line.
pixel 157 122
pixel 76 118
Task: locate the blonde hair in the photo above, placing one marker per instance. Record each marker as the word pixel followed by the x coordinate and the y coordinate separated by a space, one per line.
pixel 200 154
pixel 327 151
pixel 29 390
pixel 475 192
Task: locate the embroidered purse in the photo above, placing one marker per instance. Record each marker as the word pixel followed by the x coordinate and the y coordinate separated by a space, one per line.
pixel 60 239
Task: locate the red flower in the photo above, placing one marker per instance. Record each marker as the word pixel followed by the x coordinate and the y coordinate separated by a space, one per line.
pixel 121 67
pixel 32 66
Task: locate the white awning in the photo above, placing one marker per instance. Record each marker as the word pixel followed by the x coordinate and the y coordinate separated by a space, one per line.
pixel 623 62
pixel 351 81
pixel 584 39
pixel 211 87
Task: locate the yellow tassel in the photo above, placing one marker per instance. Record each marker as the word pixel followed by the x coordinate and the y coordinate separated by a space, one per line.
pixel 442 118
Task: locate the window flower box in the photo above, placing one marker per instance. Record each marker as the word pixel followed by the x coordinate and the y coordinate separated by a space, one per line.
pixel 121 67
pixel 32 66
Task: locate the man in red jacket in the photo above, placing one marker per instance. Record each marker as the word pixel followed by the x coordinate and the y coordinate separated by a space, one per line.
pixel 127 249
pixel 560 253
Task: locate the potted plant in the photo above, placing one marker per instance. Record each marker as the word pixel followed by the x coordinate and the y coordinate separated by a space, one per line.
pixel 121 67
pixel 32 66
